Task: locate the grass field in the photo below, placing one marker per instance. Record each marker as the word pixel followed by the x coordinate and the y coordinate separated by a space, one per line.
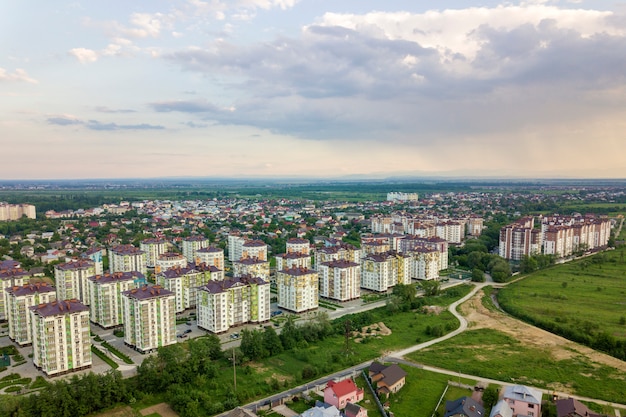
pixel 419 397
pixel 584 295
pixel 492 354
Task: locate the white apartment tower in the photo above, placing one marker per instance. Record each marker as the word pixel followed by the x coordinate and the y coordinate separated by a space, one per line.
pixel 19 300
pixel 211 256
pixel 254 249
pixel 61 336
pixel 298 289
pixel 149 318
pixel 425 263
pixel 11 275
pixel 169 260
pixel 379 272
pixel 105 295
pixel 184 283
pixel 192 244
pixel 71 280
pixel 127 258
pixel 340 280
pixel 153 248
pixel 233 302
pixel 235 247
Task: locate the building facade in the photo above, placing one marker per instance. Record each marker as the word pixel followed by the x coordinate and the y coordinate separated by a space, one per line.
pixel 184 283
pixel 12 275
pixel 61 336
pixel 340 280
pixel 379 272
pixel 298 289
pixel 16 211
pixel 169 260
pixel 71 280
pixel 105 295
pixel 233 302
pixel 192 244
pixel 127 258
pixel 153 248
pixel 149 318
pixel 19 300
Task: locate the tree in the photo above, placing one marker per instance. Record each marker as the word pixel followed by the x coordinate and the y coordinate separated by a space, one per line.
pixel 271 341
pixel 431 288
pixel 406 293
pixel 478 275
pixel 490 396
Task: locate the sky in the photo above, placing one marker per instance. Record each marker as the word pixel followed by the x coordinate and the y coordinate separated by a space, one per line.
pixel 312 88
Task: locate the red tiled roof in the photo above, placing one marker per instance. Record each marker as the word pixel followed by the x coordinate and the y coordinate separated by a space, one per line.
pixel 343 388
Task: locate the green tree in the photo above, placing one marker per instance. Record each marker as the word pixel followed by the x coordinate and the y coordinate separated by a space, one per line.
pixel 478 275
pixel 490 396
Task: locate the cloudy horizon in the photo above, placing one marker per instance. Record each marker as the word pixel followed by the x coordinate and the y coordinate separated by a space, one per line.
pixel 288 88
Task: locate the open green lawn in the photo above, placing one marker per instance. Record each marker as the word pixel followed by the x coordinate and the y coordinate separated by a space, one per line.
pixel 492 354
pixel 584 295
pixel 419 397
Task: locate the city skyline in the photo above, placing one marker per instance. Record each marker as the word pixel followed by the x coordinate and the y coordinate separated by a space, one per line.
pixel 288 88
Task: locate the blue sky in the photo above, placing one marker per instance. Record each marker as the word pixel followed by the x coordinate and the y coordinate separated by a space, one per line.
pixel 312 88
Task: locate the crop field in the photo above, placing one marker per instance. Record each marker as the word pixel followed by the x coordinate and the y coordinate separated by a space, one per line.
pixel 492 354
pixel 587 296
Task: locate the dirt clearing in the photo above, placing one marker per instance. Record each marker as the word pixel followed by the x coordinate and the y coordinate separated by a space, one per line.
pixel 480 317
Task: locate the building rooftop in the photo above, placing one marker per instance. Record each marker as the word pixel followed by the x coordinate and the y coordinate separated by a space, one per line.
pixel 147 292
pixel 30 289
pixel 117 276
pixel 74 265
pixel 126 250
pixel 59 308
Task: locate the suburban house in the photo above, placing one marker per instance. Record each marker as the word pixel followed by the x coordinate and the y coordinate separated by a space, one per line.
pixel 241 412
pixel 524 401
pixel 355 410
pixel 388 379
pixel 464 407
pixel 501 409
pixel 570 407
pixel 341 393
pixel 322 410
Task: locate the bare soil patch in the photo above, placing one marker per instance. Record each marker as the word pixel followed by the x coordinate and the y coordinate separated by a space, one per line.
pixel 373 330
pixel 480 317
pixel 162 409
pixel 436 310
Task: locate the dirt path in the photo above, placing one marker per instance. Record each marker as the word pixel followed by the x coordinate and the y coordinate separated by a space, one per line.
pixel 480 317
pixel 163 409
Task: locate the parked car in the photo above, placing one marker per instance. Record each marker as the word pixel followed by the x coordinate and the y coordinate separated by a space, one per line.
pixel 187 331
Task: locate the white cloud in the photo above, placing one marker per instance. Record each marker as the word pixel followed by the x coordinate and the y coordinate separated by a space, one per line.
pixel 84 55
pixel 17 75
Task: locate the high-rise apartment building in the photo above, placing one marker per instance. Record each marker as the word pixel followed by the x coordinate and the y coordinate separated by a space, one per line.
pixel 382 271
pixel 61 336
pixel 127 258
pixel 298 289
pixel 153 248
pixel 520 239
pixel 211 256
pixel 192 244
pixel 184 283
pixel 16 211
pixel 105 295
pixel 71 279
pixel 233 302
pixel 19 300
pixel 169 260
pixel 11 275
pixel 149 318
pixel 340 280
